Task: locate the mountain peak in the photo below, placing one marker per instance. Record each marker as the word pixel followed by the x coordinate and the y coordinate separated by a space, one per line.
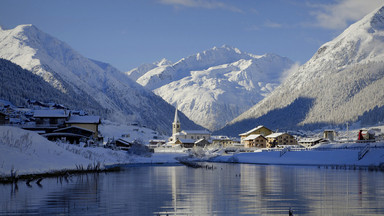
pixel 337 85
pixel 26 28
pixel 163 62
pixel 377 20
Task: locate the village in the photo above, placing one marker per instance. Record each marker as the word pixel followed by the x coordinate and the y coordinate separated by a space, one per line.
pixel 57 123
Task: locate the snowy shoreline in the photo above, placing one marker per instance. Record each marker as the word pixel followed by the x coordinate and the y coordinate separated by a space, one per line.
pixel 25 153
pixel 312 157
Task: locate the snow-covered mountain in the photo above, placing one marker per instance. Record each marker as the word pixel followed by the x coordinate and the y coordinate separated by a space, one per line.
pixel 17 84
pixel 343 82
pixel 63 68
pixel 214 86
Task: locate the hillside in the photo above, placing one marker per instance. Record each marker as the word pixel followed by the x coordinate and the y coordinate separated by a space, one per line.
pixel 214 86
pixel 16 87
pixel 343 82
pixel 115 95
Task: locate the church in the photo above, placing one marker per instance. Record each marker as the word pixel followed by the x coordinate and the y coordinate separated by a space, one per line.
pixel 188 138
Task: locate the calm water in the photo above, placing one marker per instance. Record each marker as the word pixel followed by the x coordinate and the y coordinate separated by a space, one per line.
pixel 230 189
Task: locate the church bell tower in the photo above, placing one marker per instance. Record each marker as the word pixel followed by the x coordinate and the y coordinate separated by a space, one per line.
pixel 176 124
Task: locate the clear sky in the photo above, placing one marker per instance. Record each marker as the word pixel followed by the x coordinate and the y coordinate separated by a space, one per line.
pixel 128 33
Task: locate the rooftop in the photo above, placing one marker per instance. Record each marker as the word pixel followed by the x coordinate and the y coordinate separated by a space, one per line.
pixel 84 119
pixel 254 136
pixel 274 135
pixel 55 113
pixel 252 130
pixel 196 132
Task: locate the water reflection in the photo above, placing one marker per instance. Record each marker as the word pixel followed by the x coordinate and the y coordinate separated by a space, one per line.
pixel 229 189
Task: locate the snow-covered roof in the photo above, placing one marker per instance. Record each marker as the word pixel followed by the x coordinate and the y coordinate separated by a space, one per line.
pixel 56 113
pixel 80 128
pixel 305 140
pixel 201 140
pixel 84 119
pixel 196 132
pixel 253 136
pixel 252 130
pixel 274 135
pixel 220 137
pixel 63 134
pixel 187 141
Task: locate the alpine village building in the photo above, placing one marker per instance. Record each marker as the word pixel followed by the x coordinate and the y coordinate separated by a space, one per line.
pixel 187 138
pixel 262 137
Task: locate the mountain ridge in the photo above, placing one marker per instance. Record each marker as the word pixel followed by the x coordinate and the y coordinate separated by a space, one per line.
pixel 341 79
pixel 214 86
pixel 68 71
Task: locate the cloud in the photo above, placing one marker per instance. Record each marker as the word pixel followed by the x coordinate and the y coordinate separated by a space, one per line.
pixel 289 72
pixel 339 15
pixel 207 4
pixel 271 24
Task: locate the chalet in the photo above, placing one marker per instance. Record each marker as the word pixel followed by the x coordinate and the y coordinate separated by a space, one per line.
pixel 156 143
pixel 87 122
pixel 49 120
pixel 123 144
pixel 308 142
pixel 279 139
pixel 223 141
pixel 185 143
pixel 255 140
pixel 70 134
pixel 257 130
pixel 202 143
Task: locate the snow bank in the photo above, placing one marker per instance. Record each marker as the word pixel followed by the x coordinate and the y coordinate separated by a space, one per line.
pixel 27 152
pixel 311 157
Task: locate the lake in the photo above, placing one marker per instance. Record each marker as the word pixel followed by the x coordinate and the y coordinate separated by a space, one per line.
pixel 227 189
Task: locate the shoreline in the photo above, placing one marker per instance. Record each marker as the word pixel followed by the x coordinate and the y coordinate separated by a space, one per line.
pixel 119 167
pixel 59 173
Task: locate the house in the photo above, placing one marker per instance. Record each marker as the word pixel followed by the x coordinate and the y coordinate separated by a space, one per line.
pixel 202 143
pixel 329 134
pixel 156 143
pixel 223 141
pixel 123 144
pixel 255 140
pixel 4 118
pixel 87 122
pixel 308 142
pixel 70 134
pixel 185 143
pixel 257 130
pixel 48 120
pixel 365 134
pixel 279 139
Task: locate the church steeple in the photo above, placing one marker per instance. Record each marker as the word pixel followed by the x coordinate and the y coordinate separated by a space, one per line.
pixel 176 124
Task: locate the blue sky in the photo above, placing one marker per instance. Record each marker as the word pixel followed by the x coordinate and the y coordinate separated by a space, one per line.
pixel 128 33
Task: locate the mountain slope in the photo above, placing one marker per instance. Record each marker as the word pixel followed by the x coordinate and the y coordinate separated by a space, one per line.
pixel 215 86
pixel 16 87
pixel 341 83
pixel 63 68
